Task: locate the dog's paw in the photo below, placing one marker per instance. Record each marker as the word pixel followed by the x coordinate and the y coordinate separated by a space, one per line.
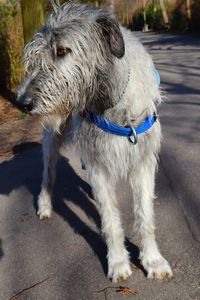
pixel 44 212
pixel 158 269
pixel 119 271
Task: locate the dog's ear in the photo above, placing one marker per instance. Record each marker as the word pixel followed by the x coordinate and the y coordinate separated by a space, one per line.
pixel 113 35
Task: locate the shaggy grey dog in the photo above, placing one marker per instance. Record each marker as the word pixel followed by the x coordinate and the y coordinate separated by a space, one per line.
pixel 82 64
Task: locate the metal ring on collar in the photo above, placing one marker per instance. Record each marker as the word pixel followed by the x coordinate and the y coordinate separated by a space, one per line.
pixel 133 135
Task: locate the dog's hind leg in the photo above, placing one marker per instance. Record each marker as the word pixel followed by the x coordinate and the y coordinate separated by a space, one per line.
pixel 104 193
pixel 142 183
pixel 50 147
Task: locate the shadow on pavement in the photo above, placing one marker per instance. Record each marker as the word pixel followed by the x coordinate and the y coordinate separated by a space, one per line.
pixel 1 249
pixel 171 40
pixel 25 169
pixel 182 89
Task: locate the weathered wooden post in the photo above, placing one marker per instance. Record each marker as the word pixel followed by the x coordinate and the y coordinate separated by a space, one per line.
pixel 164 13
pixel 33 16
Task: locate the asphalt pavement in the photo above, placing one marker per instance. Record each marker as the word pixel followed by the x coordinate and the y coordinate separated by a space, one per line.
pixel 65 257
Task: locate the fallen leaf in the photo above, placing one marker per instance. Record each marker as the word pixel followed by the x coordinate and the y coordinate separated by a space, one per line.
pixel 126 291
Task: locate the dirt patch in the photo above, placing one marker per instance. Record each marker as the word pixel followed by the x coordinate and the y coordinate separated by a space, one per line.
pixel 16 128
pixel 8 112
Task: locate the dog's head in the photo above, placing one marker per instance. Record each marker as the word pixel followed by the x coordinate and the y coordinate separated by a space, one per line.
pixel 69 62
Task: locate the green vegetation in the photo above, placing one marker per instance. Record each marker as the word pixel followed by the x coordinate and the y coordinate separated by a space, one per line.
pixel 181 16
pixel 11 44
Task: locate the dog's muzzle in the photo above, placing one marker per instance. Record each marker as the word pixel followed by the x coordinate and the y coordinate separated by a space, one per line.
pixel 25 103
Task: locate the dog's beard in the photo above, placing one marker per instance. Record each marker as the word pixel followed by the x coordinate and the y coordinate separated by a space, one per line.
pixel 54 122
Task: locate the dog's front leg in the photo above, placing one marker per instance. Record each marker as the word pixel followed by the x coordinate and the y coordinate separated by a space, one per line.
pixel 143 189
pixel 104 193
pixel 50 147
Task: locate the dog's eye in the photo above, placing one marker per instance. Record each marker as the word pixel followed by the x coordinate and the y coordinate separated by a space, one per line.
pixel 61 52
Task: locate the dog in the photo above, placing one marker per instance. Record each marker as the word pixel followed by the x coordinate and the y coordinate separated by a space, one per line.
pixel 94 85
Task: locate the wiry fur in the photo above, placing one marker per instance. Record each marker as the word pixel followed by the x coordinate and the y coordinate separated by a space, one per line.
pixel 93 76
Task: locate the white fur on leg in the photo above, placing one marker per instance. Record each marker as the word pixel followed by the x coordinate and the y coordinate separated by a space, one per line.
pixel 159 269
pixel 153 262
pixel 50 146
pixel 104 192
pixel 156 265
pixel 119 267
pixel 44 205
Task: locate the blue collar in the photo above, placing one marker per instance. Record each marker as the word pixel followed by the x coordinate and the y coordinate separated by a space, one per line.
pixel 115 129
pixel 130 132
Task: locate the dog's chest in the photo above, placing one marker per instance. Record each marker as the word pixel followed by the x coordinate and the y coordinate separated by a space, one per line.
pixel 96 147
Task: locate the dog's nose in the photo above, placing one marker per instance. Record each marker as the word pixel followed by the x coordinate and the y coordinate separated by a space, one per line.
pixel 25 103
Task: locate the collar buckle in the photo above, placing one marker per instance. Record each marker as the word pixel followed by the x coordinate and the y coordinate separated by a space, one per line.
pixel 133 138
